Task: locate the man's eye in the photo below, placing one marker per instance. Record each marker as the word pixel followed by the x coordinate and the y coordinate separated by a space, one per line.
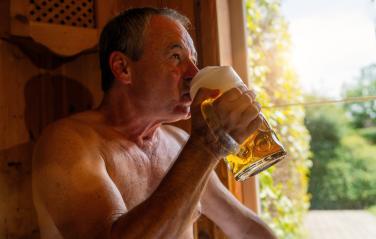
pixel 176 56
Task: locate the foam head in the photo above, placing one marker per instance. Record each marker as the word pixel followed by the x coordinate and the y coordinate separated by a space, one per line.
pixel 222 78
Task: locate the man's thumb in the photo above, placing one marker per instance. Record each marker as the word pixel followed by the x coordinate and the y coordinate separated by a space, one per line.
pixel 203 94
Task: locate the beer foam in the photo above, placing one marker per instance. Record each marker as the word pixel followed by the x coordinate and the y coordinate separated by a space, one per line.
pixel 222 78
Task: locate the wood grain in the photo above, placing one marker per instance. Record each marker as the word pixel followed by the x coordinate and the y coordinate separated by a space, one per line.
pixel 34 95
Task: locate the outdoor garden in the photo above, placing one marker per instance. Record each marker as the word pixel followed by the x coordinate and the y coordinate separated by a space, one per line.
pixel 331 161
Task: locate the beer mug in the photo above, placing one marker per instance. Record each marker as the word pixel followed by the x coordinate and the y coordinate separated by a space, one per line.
pixel 260 150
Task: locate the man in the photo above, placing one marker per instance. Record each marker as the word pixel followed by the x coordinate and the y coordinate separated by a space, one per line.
pixel 117 171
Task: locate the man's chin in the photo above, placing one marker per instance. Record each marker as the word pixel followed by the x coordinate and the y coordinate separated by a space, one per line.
pixel 187 116
pixel 182 112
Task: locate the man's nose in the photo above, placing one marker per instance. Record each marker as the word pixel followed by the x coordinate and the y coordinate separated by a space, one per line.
pixel 191 69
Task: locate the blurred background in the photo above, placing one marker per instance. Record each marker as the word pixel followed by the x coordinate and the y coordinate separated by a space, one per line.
pixel 313 64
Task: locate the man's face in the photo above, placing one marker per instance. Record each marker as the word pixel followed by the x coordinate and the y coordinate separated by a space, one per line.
pixel 163 74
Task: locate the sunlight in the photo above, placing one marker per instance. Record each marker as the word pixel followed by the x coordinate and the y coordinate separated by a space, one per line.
pixel 330 42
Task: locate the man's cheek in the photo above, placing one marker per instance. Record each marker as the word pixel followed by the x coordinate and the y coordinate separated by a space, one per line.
pixel 176 74
pixel 181 109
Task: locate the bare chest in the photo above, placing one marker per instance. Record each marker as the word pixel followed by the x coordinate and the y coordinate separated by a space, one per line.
pixel 137 172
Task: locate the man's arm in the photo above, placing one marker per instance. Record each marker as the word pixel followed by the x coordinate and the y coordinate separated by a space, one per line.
pixel 72 182
pixel 236 220
pixel 169 210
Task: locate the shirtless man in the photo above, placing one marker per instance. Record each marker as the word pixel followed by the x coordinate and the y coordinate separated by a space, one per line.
pixel 116 171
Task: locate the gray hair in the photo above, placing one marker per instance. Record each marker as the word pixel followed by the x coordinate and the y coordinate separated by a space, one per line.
pixel 125 33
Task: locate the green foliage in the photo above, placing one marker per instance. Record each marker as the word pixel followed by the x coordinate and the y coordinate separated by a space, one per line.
pixel 326 125
pixel 363 114
pixel 342 175
pixel 361 186
pixel 283 188
pixel 368 133
pixel 372 210
pixel 282 212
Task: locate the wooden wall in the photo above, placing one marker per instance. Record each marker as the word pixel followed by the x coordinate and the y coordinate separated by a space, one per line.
pixel 32 97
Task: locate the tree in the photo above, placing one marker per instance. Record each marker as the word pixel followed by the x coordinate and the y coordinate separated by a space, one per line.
pixel 342 175
pixel 326 126
pixel 363 114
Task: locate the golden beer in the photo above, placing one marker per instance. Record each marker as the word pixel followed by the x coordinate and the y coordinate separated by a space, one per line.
pixel 260 150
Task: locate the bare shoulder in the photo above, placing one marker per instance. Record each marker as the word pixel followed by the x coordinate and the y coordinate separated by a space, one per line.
pixel 71 183
pixel 67 127
pixel 64 137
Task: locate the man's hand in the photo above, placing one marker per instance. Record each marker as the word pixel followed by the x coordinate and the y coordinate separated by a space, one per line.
pixel 237 113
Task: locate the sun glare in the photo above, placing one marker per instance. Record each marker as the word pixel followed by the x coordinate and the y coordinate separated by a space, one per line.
pixel 331 42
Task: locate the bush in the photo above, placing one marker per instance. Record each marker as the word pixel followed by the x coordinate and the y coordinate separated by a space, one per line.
pixel 360 155
pixel 372 210
pixel 342 175
pixel 368 133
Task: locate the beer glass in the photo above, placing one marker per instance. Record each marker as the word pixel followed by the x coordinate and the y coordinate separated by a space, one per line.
pixel 260 150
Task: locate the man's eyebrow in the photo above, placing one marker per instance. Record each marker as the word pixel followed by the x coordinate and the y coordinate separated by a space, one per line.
pixel 175 45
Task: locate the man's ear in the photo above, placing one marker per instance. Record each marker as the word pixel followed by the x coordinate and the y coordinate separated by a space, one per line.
pixel 120 66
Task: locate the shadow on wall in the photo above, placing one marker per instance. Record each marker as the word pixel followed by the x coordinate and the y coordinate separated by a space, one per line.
pixel 47 98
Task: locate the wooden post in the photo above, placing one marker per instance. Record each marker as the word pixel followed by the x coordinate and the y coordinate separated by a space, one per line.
pixel 233 51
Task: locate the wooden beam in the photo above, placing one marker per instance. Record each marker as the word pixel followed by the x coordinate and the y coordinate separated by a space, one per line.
pixel 233 51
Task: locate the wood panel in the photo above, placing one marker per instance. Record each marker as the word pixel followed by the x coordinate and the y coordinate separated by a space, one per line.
pixel 32 96
pixel 225 44
pixel 207 32
pixel 47 22
pixel 123 5
pixel 208 55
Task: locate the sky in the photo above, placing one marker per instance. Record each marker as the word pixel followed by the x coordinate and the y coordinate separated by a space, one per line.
pixel 331 41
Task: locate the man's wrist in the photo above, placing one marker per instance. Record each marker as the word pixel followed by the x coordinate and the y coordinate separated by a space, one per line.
pixel 209 144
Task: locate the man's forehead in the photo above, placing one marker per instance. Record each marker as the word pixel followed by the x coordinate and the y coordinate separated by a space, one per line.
pixel 170 32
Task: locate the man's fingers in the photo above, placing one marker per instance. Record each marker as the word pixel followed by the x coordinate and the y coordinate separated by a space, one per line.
pixel 251 113
pixel 203 94
pixel 228 96
pixel 254 124
pixel 244 109
pixel 247 119
pixel 240 135
pixel 251 93
pixel 237 110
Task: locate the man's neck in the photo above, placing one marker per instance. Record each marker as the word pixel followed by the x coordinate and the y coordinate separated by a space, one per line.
pixel 123 114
